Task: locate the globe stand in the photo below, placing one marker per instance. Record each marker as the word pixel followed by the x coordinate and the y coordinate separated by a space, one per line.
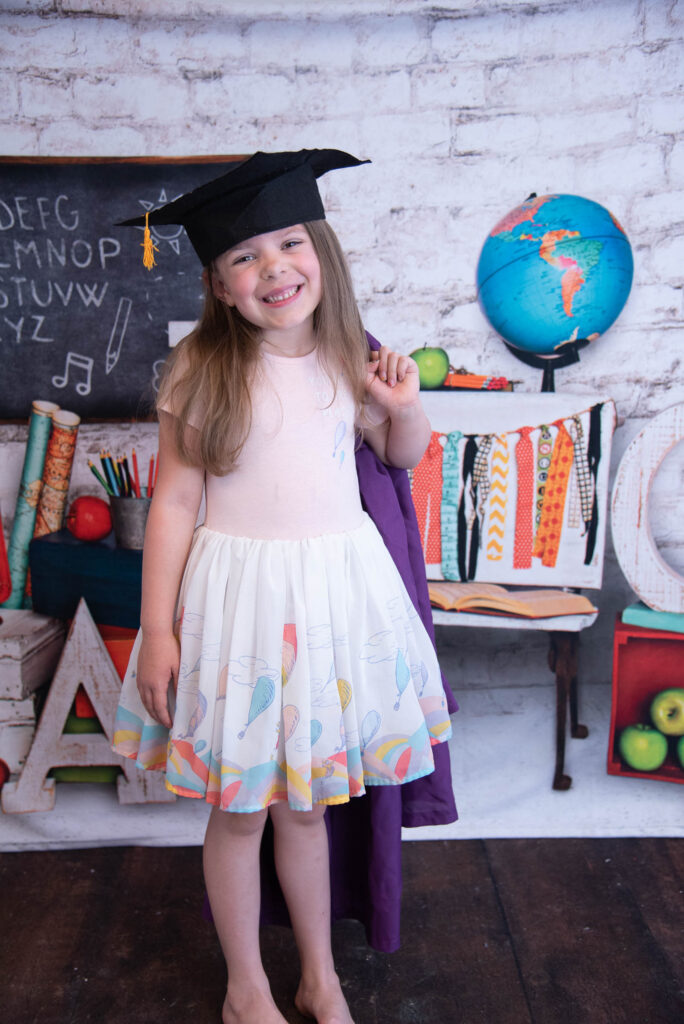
pixel 549 364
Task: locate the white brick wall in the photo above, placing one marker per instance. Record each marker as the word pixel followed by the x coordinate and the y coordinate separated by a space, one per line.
pixel 464 107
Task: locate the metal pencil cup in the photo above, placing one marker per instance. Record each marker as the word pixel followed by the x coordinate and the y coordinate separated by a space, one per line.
pixel 129 516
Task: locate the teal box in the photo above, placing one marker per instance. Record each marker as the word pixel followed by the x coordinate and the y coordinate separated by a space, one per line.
pixel 64 569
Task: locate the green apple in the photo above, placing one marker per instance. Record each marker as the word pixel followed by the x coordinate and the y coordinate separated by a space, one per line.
pixel 680 751
pixel 667 712
pixel 433 366
pixel 643 747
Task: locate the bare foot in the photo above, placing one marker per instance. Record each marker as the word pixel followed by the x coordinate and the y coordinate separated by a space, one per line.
pixel 324 1002
pixel 253 1006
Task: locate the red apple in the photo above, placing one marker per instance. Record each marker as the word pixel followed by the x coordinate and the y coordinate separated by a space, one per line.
pixel 89 518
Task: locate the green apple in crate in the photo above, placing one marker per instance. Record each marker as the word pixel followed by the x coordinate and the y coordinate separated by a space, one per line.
pixel 642 747
pixel 433 366
pixel 667 711
pixel 680 752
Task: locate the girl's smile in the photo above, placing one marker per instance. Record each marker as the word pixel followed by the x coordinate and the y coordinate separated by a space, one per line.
pixel 274 281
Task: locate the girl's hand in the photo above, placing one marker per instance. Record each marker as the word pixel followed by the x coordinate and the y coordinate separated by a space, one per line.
pixel 158 664
pixel 392 379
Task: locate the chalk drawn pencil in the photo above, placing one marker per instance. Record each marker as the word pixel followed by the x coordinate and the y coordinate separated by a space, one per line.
pixel 117 336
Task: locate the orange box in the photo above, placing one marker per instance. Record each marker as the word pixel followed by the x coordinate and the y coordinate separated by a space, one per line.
pixel 645 661
pixel 119 642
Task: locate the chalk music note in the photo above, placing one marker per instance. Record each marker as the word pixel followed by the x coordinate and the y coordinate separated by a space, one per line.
pixel 117 336
pixel 78 362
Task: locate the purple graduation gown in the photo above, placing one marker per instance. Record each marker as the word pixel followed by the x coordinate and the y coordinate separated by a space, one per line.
pixel 365 834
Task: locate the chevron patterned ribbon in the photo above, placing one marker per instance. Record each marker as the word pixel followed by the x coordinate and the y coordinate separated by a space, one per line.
pixel 451 489
pixel 548 537
pixel 544 449
pixel 524 509
pixel 497 500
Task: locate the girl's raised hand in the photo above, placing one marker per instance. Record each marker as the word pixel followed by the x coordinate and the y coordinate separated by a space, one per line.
pixel 157 675
pixel 392 379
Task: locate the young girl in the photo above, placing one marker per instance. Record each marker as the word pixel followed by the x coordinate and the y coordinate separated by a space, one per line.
pixel 281 666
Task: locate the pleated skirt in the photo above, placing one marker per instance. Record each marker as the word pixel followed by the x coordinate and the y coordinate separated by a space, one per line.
pixel 305 675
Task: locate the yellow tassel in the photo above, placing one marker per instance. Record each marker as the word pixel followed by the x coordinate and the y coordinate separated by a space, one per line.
pixel 149 248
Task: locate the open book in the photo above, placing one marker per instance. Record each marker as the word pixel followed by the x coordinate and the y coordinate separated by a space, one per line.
pixel 490 598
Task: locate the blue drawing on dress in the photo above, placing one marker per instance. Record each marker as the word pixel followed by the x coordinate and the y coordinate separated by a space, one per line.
pixel 381 646
pixel 321 637
pixel 369 727
pixel 262 698
pixel 340 431
pixel 196 717
pixel 402 674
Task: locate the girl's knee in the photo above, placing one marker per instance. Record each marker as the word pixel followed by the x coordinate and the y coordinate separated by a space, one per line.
pixel 239 824
pixel 283 816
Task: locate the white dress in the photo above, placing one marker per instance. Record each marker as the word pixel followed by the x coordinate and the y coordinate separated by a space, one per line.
pixel 306 673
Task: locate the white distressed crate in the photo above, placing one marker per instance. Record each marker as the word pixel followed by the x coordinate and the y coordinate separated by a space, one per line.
pixel 30 647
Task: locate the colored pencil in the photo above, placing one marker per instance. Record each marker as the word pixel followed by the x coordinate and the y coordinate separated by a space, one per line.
pixel 100 478
pixel 111 475
pixel 150 477
pixel 156 472
pixel 135 473
pixel 130 490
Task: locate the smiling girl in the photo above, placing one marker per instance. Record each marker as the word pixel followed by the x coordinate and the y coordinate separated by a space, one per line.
pixel 281 666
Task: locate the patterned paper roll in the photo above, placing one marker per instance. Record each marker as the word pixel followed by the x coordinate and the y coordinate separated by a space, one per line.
pixel 57 473
pixel 27 499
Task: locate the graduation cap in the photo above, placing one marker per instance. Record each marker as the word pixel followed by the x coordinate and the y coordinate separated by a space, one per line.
pixel 266 192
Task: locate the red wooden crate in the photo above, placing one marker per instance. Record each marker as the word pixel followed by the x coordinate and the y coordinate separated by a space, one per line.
pixel 645 661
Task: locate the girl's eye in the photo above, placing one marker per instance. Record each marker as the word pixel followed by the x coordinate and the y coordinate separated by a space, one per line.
pixel 291 243
pixel 242 259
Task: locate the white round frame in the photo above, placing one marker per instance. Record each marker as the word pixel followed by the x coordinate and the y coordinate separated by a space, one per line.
pixel 653 580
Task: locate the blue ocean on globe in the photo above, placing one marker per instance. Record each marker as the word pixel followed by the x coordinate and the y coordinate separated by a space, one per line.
pixel 557 269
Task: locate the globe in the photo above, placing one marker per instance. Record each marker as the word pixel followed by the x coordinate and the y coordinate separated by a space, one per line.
pixel 555 271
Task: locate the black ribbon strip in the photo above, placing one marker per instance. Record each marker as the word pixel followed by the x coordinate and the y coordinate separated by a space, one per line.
pixel 593 458
pixel 468 572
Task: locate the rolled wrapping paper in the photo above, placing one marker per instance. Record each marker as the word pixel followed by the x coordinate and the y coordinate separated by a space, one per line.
pixel 59 459
pixel 57 473
pixel 27 499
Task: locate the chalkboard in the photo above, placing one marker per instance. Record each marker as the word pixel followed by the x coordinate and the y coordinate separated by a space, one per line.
pixel 82 322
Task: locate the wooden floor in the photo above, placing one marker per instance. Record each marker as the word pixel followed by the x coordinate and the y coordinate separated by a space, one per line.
pixel 499 932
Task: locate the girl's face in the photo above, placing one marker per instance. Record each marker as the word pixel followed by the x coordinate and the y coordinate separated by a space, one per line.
pixel 274 281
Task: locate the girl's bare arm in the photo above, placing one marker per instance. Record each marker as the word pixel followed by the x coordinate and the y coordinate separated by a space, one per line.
pixel 170 526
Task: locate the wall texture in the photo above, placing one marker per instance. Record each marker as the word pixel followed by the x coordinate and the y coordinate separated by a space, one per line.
pixel 464 108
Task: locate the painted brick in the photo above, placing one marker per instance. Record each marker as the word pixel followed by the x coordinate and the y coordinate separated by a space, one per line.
pixel 448 86
pixel 397 134
pixel 392 41
pixel 509 134
pixel 301 43
pixel 45 44
pixel 248 95
pixel 129 96
pixel 676 165
pixel 663 20
pixel 194 47
pixel 654 215
pixel 49 95
pixel 70 137
pixel 321 94
pixel 661 116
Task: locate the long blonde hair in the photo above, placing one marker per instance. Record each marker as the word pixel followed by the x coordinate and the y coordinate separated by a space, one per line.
pixel 206 380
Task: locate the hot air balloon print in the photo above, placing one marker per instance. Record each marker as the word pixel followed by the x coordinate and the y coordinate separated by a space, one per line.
pixel 402 676
pixel 345 691
pixel 316 730
pixel 196 717
pixel 369 727
pixel 289 650
pixel 290 720
pixel 262 698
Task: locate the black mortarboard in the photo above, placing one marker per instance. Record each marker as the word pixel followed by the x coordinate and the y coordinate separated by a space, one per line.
pixel 266 192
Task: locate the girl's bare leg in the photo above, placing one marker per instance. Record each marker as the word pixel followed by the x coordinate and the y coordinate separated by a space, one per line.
pixel 231 873
pixel 301 856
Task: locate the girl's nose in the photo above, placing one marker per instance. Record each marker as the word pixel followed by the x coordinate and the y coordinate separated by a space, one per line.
pixel 273 265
